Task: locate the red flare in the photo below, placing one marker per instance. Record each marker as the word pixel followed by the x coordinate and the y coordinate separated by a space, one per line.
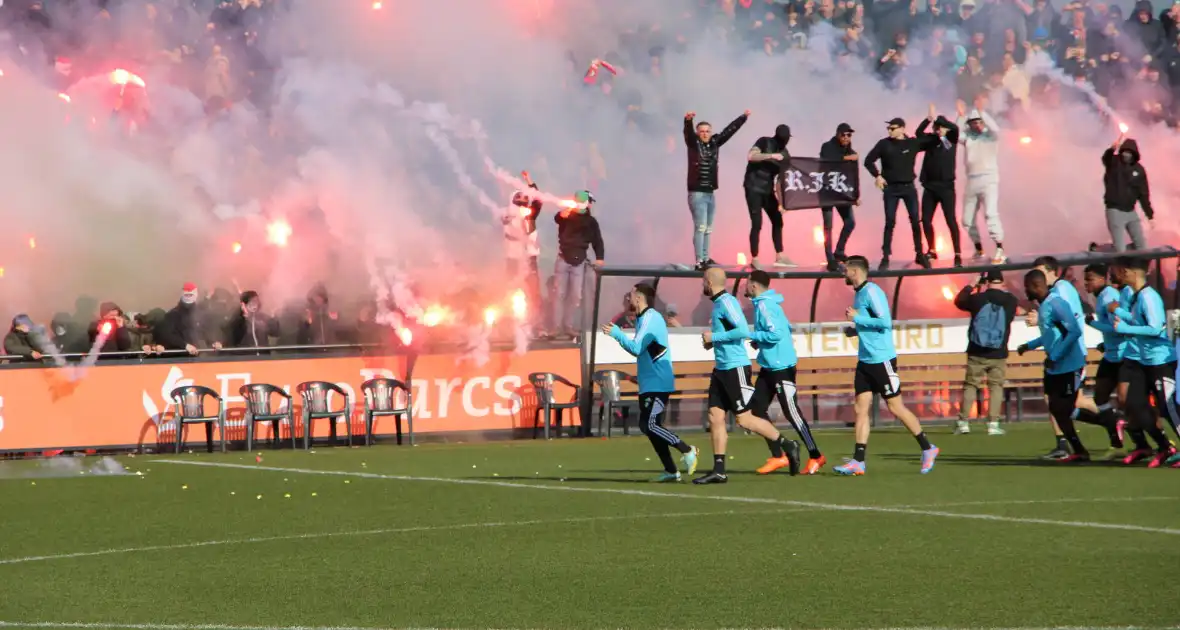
pixel 278 232
pixel 106 328
pixel 520 305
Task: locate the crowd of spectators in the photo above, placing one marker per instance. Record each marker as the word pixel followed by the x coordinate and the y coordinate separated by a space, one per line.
pixel 960 49
pixel 198 323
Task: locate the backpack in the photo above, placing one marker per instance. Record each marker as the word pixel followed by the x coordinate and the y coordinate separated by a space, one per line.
pixel 988 326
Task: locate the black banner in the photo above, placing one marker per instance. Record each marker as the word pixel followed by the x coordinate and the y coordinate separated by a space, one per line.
pixel 810 183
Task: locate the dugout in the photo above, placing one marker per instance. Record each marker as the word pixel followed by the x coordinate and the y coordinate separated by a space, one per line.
pixel 610 282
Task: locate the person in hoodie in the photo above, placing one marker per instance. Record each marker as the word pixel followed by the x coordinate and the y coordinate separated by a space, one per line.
pixel 66 335
pixel 938 180
pixel 730 388
pixel 21 339
pixel 876 367
pixel 1125 184
pixel 250 327
pixel 776 358
pixel 838 149
pixel 520 241
pixel 650 347
pixel 704 148
pixel 182 327
pixel 320 325
pixel 1146 30
pixel 1065 359
pixel 118 338
pixel 1149 360
pixel 981 143
pixel 577 232
pixel 765 160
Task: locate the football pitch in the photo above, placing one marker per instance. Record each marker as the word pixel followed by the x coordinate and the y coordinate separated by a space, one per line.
pixel 571 534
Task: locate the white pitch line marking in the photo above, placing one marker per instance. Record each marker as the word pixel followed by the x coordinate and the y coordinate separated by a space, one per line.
pixel 65 625
pixel 379 532
pixel 708 497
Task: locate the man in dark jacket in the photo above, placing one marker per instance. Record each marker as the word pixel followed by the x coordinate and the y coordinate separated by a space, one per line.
pixel 992 310
pixel 703 150
pixel 577 232
pixel 766 159
pixel 250 327
pixel 19 340
pixel 1125 183
pixel 111 327
pixel 838 149
pixel 320 325
pixel 1146 30
pixel 182 327
pixel 895 179
pixel 938 180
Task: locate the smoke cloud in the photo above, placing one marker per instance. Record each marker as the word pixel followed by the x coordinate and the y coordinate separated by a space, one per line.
pixel 396 136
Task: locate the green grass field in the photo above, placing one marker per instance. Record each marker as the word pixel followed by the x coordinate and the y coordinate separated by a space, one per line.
pixel 569 534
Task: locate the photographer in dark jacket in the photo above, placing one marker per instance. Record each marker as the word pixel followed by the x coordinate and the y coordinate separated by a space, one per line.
pixel 766 159
pixel 703 150
pixel 839 148
pixel 1125 183
pixel 895 179
pixel 182 328
pixel 992 310
pixel 938 180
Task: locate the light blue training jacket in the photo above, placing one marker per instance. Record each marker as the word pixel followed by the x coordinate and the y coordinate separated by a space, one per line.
pixel 730 331
pixel 874 325
pixel 772 332
pixel 650 347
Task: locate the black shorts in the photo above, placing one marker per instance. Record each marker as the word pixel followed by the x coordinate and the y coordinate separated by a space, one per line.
pixel 1130 371
pixel 770 383
pixel 1108 370
pixel 878 378
pixel 1064 386
pixel 731 389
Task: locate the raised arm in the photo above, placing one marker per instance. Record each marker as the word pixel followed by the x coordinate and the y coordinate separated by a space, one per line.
pixel 732 128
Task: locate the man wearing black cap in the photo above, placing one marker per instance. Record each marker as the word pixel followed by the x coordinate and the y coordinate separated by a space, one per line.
pixel 938 180
pixel 838 149
pixel 895 179
pixel 992 310
pixel 766 159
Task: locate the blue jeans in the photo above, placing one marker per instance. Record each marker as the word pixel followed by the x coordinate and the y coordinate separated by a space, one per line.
pixel 702 205
pixel 567 293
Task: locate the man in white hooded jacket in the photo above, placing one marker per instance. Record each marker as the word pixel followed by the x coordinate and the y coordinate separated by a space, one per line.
pixel 981 141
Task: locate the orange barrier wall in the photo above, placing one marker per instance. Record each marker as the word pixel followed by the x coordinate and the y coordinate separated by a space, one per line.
pixel 128 404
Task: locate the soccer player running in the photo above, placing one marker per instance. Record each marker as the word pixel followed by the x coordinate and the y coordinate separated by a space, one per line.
pixel 876 367
pixel 1052 269
pixel 772 339
pixel 1065 359
pixel 1149 360
pixel 1106 380
pixel 729 386
pixel 656 382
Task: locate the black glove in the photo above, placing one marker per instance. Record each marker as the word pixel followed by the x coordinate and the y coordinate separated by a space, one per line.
pixel 1101 347
pixel 1090 317
pixel 753 344
pixel 1021 349
pixel 850 331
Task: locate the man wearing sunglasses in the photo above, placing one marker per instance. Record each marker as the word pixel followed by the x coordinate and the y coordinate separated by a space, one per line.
pixel 895 179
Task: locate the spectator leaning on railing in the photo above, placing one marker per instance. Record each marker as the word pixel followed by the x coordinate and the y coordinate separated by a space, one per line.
pixel 19 340
pixel 250 327
pixel 182 328
pixel 119 338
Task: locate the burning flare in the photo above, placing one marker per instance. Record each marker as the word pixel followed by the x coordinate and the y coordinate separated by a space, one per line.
pixel 63 96
pixel 32 242
pixel 434 316
pixel 122 77
pixel 278 232
pixel 1026 140
pixel 237 247
pixel 489 315
pixel 406 335
pixel 948 293
pixel 520 305
pixel 1123 128
pixel 741 259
